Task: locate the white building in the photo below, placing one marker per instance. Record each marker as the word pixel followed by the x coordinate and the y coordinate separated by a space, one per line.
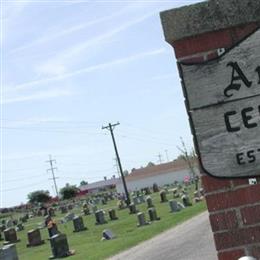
pixel 162 174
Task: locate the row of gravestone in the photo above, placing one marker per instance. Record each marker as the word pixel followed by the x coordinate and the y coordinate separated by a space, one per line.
pixel 59 244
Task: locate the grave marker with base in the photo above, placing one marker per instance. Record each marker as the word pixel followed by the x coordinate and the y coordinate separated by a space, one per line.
pixel 174 206
pixel 132 208
pixel 112 214
pixel 10 236
pixel 8 252
pixel 100 217
pixel 34 238
pixel 141 220
pixel 153 214
pixel 78 224
pixel 149 202
pixel 60 246
pixel 163 196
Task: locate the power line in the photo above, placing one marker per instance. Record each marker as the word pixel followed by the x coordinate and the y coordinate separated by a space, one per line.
pixel 53 175
pixel 111 127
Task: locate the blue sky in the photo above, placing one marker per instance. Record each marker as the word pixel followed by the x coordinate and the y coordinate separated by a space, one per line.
pixel 71 67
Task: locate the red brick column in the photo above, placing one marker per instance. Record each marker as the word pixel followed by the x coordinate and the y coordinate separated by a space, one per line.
pixel 198 33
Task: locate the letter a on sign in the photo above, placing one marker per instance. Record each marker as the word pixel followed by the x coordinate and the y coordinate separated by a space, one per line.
pixel 223 100
pixel 240 76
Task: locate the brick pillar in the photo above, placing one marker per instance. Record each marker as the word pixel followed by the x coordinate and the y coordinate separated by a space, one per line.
pixel 201 32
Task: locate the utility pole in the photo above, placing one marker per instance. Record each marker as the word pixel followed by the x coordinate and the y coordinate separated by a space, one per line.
pixel 166 153
pixel 111 127
pixel 53 175
pixel 117 167
pixel 160 158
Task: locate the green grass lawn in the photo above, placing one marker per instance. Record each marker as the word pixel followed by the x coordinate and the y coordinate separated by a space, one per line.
pixel 88 244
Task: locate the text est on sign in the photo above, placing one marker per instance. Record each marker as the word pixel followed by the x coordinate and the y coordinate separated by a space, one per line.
pixel 223 103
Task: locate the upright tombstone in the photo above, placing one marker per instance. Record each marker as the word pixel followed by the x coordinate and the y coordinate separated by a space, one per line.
pixel 153 214
pixel 34 238
pixel 51 212
pixel 8 252
pixel 155 187
pixel 112 214
pixel 135 200
pixel 10 236
pixel 219 39
pixel 141 220
pixel 86 209
pixel 186 201
pixel 132 208
pixel 78 224
pixel 59 246
pixel 149 202
pixel 100 217
pixel 163 196
pixel 63 209
pixel 94 208
pixel 19 227
pixel 141 198
pixel 174 206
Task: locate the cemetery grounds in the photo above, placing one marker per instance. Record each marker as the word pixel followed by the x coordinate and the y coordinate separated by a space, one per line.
pixel 88 244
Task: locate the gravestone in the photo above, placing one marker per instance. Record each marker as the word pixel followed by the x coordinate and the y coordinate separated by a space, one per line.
pixel 100 217
pixel 86 210
pixel 149 202
pixel 104 201
pixel 34 238
pixel 69 217
pixel 51 212
pixel 94 209
pixel 23 219
pixel 155 187
pixel 121 204
pixel 70 207
pixel 19 227
pixel 132 208
pixel 141 198
pixel 9 223
pixel 147 191
pixel 8 252
pixel 63 210
pixel 59 246
pixel 2 228
pixel 153 214
pixel 10 236
pixel 174 206
pixel 135 200
pixel 141 220
pixel 107 234
pixel 112 214
pixel 78 224
pixel 163 196
pixel 186 201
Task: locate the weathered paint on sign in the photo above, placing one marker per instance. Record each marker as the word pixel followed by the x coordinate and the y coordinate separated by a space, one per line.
pixel 223 102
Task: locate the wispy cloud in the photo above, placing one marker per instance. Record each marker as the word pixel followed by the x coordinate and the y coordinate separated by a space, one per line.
pixel 65 57
pixel 56 32
pixel 54 93
pixel 93 68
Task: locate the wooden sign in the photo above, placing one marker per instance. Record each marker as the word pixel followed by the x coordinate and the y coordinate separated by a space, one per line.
pixel 223 103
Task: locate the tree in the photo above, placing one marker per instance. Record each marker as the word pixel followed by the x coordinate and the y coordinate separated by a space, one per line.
pixel 39 196
pixel 83 183
pixel 190 159
pixel 69 191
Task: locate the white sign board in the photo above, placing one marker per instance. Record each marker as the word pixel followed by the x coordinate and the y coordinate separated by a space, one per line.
pixel 223 103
